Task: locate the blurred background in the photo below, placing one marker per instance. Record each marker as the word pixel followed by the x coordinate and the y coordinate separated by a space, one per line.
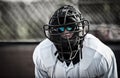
pixel 21 29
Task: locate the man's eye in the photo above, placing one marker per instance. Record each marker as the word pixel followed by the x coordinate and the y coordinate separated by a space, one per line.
pixel 61 29
pixel 69 28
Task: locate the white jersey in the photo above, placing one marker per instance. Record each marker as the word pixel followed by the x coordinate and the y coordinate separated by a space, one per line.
pixel 98 61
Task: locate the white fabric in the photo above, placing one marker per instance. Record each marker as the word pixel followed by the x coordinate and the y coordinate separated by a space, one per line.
pixel 98 61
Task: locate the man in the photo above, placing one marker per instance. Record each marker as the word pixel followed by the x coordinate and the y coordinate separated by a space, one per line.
pixel 70 52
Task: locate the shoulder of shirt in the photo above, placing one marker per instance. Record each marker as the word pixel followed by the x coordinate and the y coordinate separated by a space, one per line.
pixel 93 42
pixel 45 43
pixel 44 50
pixel 96 45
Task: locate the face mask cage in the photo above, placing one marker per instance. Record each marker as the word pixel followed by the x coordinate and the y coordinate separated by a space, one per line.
pixel 80 29
pixel 70 19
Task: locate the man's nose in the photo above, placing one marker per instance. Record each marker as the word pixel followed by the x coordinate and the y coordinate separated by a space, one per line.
pixel 66 31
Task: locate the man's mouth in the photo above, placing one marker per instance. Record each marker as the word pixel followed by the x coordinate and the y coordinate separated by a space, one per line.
pixel 67 35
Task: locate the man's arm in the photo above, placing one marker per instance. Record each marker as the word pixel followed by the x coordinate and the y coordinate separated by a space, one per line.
pixel 110 67
pixel 39 68
pixel 112 72
pixel 39 73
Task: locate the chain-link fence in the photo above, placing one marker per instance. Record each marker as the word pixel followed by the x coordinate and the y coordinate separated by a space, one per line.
pixel 22 20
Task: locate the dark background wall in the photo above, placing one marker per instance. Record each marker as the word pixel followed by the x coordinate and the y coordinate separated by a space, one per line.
pixel 16 58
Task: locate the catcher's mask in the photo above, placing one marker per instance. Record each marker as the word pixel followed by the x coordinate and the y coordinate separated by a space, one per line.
pixel 69 19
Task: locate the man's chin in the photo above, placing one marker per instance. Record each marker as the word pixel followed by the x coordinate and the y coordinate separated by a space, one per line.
pixel 67 37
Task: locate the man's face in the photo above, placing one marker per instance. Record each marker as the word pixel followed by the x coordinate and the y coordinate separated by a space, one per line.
pixel 66 32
